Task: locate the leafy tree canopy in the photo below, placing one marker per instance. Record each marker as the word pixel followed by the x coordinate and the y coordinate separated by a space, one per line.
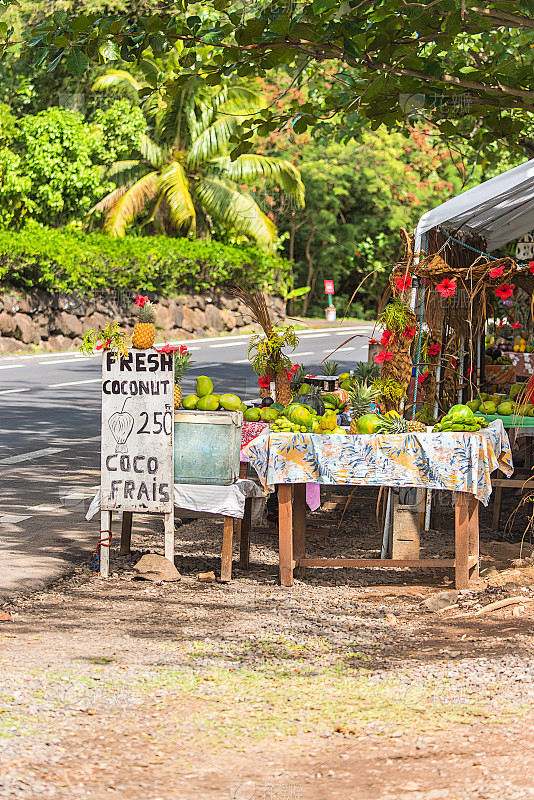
pixel 463 64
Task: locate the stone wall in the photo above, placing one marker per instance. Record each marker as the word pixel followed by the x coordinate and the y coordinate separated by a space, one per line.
pixel 56 323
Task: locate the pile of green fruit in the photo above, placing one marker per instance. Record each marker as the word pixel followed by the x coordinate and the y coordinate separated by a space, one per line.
pixel 205 400
pixel 265 414
pixel 301 418
pixel 460 418
pixel 501 404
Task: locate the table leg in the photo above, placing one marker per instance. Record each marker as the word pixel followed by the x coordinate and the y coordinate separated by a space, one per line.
pixel 497 503
pixel 299 527
pixel 474 538
pixel 126 533
pixel 226 556
pixel 243 471
pixel 466 530
pixel 105 536
pixel 244 544
pixel 285 534
pixel 169 536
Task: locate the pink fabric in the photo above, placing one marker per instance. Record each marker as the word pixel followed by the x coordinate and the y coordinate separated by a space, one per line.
pixel 313 496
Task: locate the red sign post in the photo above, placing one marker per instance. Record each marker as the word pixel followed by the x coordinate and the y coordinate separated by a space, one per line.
pixel 329 287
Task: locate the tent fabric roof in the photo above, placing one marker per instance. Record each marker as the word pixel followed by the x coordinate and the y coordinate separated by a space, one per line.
pixel 500 210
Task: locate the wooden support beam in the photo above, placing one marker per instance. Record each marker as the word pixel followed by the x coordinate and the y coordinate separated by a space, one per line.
pixel 244 543
pixel 285 534
pixel 226 555
pixel 126 533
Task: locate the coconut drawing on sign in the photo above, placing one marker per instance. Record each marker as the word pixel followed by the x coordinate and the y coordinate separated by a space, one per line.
pixel 121 425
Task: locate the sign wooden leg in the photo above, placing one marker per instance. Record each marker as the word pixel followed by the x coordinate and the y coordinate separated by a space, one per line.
pixel 226 555
pixel 105 532
pixel 462 530
pixel 299 527
pixel 169 536
pixel 285 534
pixel 126 533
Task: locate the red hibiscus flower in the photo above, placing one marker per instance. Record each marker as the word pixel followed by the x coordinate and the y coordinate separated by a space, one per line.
pixel 409 332
pixel 403 282
pixel 446 288
pixel 497 272
pixel 183 349
pixel 434 349
pixel 505 291
pixel 422 377
pixel 469 371
pixel 167 348
pixel 385 355
pixel 264 383
pixel 141 301
pixel 516 325
pixel 294 368
pixel 531 267
pixel 103 345
pixel 386 337
pixel 373 341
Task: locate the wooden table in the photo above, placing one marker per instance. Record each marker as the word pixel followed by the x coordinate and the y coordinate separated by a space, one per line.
pixel 292 541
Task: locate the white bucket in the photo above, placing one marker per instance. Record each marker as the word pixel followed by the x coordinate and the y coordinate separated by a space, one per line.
pixel 330 312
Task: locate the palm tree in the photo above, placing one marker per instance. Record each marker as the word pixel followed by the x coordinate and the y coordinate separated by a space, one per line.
pixel 182 178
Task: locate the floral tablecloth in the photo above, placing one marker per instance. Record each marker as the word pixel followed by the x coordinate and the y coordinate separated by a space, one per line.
pixel 461 462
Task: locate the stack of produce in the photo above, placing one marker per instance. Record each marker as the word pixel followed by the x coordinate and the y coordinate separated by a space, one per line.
pixel 460 418
pixel 205 400
pixel 495 356
pixel 503 405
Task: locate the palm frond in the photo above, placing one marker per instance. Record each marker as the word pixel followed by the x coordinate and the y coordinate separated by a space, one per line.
pixel 151 151
pixel 206 105
pixel 211 141
pixel 250 167
pixel 118 79
pixel 109 200
pixel 173 182
pixel 130 204
pixel 236 210
pixel 124 173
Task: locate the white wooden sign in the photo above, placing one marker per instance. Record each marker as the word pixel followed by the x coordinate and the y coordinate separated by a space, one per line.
pixel 137 432
pixel 524 249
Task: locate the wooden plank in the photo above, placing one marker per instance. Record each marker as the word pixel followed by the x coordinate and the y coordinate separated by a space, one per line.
pixel 511 483
pixel 461 550
pixel 376 562
pixel 226 555
pixel 285 534
pixel 299 525
pixel 169 536
pixel 244 543
pixel 497 502
pixel 243 471
pixel 105 532
pixel 126 533
pixel 310 532
pixel 473 538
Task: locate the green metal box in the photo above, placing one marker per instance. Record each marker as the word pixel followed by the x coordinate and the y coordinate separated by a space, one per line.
pixel 207 446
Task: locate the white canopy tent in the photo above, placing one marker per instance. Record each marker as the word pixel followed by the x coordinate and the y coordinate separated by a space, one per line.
pixel 500 210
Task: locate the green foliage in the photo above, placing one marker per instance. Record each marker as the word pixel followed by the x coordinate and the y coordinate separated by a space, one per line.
pixel 470 63
pixel 265 352
pixel 112 337
pixel 394 317
pixel 68 260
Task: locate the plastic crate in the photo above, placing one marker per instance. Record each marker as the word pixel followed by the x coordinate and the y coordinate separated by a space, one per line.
pixel 207 446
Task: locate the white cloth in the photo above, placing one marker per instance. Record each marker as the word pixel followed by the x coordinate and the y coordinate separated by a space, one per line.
pixel 226 500
pixel 500 209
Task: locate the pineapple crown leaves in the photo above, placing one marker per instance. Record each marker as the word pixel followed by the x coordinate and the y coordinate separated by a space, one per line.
pixel 182 362
pixel 365 370
pixel 146 311
pixel 330 368
pixel 361 396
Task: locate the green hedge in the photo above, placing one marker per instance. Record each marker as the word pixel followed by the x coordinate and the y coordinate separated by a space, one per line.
pixel 67 260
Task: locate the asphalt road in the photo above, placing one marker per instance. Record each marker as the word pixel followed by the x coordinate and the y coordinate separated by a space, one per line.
pixel 50 433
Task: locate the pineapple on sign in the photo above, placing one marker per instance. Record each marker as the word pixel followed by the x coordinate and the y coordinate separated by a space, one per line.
pixel 182 362
pixel 144 332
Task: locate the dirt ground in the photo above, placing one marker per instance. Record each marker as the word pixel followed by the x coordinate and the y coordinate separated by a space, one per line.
pixel 346 685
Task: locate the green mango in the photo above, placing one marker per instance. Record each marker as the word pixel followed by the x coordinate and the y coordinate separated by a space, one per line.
pixel 204 386
pixel 190 401
pixel 474 405
pixel 252 415
pixel 230 402
pixel 505 409
pixel 208 403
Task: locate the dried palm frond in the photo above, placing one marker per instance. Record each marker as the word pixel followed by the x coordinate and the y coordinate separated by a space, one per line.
pixel 257 305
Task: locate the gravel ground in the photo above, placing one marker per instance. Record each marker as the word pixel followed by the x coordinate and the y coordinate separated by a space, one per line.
pixel 345 685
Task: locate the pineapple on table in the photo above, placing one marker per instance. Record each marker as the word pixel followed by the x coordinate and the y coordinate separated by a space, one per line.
pixel 361 399
pixel 182 362
pixel 144 332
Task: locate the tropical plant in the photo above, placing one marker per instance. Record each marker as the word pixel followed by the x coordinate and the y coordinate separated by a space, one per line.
pixel 182 178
